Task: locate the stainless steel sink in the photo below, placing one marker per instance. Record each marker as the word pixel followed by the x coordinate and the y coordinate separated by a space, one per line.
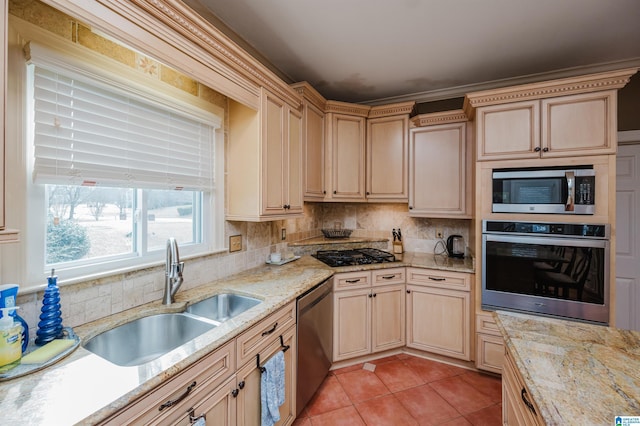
pixel 145 339
pixel 223 306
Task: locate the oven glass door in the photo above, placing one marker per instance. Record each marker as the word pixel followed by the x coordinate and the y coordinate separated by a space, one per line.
pixel 557 276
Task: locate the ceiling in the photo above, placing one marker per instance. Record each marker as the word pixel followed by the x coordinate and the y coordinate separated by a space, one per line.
pixel 393 50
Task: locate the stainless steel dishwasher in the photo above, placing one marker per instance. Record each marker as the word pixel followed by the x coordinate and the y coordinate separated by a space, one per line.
pixel 315 340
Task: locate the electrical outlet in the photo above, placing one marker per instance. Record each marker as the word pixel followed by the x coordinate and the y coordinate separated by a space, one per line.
pixel 439 234
pixel 235 243
pixel 283 234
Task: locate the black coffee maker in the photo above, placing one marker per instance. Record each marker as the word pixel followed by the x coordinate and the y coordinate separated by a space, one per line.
pixel 455 246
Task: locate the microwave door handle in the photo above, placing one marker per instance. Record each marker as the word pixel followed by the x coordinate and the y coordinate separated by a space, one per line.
pixel 571 191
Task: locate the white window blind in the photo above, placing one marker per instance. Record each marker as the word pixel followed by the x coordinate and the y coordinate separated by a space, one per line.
pixel 88 133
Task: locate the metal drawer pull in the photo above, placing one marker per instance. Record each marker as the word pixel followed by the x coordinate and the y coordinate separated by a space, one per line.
pixel 388 277
pixel 171 403
pixel 437 279
pixel 529 405
pixel 235 392
pixel 353 281
pixel 271 330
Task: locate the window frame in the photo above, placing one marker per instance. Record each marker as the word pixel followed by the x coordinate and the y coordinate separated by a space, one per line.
pixel 33 251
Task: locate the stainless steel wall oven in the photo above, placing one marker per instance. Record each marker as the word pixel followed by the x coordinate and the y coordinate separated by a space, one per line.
pixel 556 269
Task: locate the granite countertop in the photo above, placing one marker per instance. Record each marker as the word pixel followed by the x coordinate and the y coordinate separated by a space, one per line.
pixel 84 388
pixel 577 373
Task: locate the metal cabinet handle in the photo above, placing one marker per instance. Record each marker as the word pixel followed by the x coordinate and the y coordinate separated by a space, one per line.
pixel 437 279
pixel 370 295
pixel 529 405
pixel 388 277
pixel 353 281
pixel 171 403
pixel 271 330
pixel 375 294
pixel 408 291
pixel 545 149
pixel 536 149
pixel 235 392
pixel 335 192
pixel 241 385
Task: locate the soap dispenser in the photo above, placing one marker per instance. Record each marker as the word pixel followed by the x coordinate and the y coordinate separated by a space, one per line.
pixel 10 340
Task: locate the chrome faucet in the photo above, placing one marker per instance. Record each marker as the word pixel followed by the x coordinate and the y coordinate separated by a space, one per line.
pixel 173 272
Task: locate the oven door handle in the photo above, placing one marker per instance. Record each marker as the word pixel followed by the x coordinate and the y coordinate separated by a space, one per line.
pixel 571 191
pixel 551 240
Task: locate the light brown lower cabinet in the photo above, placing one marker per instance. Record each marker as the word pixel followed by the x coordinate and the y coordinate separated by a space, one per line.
pixel 368 319
pixel 518 409
pixel 438 312
pixel 215 388
pixel 489 344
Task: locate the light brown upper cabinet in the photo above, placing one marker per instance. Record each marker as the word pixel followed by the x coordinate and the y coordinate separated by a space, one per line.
pixel 560 118
pixel 264 155
pixel 313 141
pixel 439 159
pixel 345 151
pixel 388 153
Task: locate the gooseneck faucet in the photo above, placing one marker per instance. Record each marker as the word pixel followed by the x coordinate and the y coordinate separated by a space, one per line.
pixel 173 272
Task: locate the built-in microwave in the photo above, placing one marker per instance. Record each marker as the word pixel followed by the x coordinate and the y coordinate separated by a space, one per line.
pixel 544 190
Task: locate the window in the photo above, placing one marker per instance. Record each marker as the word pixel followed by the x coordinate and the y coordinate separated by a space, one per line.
pixel 118 169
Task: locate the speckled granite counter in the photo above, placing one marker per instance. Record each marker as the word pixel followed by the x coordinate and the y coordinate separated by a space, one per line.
pixel 577 373
pixel 84 388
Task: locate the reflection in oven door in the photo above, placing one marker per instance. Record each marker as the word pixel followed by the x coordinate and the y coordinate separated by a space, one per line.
pixel 546 275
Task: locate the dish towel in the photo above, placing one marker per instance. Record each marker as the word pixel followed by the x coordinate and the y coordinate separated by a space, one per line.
pixel 272 389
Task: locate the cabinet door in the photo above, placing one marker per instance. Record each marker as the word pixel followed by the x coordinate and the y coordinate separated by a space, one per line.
pixel 313 130
pixel 347 153
pixel 582 124
pixel 249 378
pixel 219 407
pixel 508 131
pixel 388 159
pixel 388 317
pixel 293 180
pixel 274 154
pixel 437 171
pixel 438 321
pixel 351 324
pixel 518 407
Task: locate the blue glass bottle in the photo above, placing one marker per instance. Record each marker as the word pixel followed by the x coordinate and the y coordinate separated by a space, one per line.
pixel 50 325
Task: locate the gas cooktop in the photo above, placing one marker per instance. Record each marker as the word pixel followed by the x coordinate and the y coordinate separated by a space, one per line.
pixel 363 256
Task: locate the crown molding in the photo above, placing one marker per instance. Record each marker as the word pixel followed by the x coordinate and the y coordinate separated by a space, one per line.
pixel 462 90
pixel 347 108
pixel 444 117
pixel 391 109
pixel 310 94
pixel 565 86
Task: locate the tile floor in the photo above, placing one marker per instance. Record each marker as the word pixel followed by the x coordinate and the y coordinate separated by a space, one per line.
pixel 405 390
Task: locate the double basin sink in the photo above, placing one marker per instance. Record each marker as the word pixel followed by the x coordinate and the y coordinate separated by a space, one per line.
pixel 142 340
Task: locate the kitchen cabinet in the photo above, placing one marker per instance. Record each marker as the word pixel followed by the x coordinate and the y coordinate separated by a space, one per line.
pixel 439 312
pixel 369 312
pixel 440 171
pixel 489 344
pixel 345 151
pixel 313 135
pixel 563 118
pixel 207 387
pixel 264 161
pixel 249 377
pixel 387 158
pixel 517 406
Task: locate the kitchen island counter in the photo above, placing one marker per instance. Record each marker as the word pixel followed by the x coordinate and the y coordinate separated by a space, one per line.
pixel 576 373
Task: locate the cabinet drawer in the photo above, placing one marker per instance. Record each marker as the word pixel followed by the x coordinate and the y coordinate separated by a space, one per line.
pixel 487 325
pixel 260 335
pixel 388 276
pixel 207 374
pixel 441 279
pixel 351 280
